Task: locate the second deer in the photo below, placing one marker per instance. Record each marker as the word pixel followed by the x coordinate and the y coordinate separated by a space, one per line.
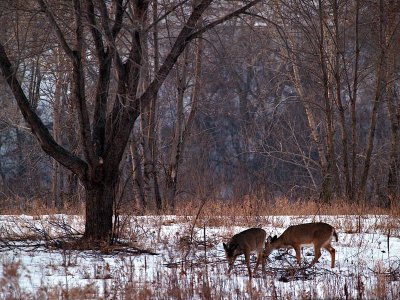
pixel 245 242
pixel 319 234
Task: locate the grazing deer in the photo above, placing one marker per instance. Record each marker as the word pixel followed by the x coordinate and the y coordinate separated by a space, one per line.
pixel 319 234
pixel 245 242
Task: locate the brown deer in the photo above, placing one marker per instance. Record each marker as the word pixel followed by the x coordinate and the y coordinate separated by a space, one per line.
pixel 245 242
pixel 319 234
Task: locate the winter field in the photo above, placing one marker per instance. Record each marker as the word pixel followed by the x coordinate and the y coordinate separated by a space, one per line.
pixel 183 258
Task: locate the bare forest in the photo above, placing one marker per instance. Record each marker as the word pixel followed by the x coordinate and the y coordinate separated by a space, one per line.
pixel 138 107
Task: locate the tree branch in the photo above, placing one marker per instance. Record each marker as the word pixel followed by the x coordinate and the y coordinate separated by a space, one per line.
pixel 125 113
pixel 223 19
pixel 103 79
pixel 168 12
pixel 46 141
pixel 57 29
pixel 184 37
pixel 129 113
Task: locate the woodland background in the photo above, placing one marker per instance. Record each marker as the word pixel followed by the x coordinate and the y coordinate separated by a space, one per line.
pixel 294 99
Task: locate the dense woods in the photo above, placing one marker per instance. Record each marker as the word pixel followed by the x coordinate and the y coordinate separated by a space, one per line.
pixel 153 103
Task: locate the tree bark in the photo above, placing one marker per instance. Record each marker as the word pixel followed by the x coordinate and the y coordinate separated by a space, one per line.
pixel 138 185
pixel 353 100
pixel 325 49
pixel 56 188
pixel 99 211
pixel 148 129
pixel 338 87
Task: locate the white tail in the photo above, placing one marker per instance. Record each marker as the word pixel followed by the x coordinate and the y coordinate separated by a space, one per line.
pixel 245 242
pixel 319 234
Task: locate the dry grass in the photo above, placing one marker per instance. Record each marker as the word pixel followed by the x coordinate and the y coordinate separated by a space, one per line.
pixel 37 206
pixel 248 206
pixel 251 206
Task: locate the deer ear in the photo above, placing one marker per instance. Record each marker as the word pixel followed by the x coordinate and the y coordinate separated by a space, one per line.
pixel 225 247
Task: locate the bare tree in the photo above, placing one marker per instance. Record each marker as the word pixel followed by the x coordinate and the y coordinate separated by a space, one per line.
pixel 183 123
pixel 392 95
pixel 377 98
pixel 104 133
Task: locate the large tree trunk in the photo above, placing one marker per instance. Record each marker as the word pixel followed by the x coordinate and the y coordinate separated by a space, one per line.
pixel 99 210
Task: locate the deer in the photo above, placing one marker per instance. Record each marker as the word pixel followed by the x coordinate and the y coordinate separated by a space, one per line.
pixel 319 234
pixel 246 242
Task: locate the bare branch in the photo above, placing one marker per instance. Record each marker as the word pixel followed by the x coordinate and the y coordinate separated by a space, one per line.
pixel 224 19
pixel 44 137
pixel 168 12
pixel 57 29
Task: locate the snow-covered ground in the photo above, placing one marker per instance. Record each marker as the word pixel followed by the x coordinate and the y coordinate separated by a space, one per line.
pixel 191 265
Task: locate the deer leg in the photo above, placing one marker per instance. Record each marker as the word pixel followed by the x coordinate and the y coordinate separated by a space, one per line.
pixel 317 252
pixel 297 249
pixel 259 259
pixel 332 252
pixel 262 261
pixel 247 259
pixel 257 263
pixel 231 263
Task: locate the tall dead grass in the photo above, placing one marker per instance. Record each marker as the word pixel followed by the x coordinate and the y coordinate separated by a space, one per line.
pixel 248 206
pixel 252 206
pixel 37 206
